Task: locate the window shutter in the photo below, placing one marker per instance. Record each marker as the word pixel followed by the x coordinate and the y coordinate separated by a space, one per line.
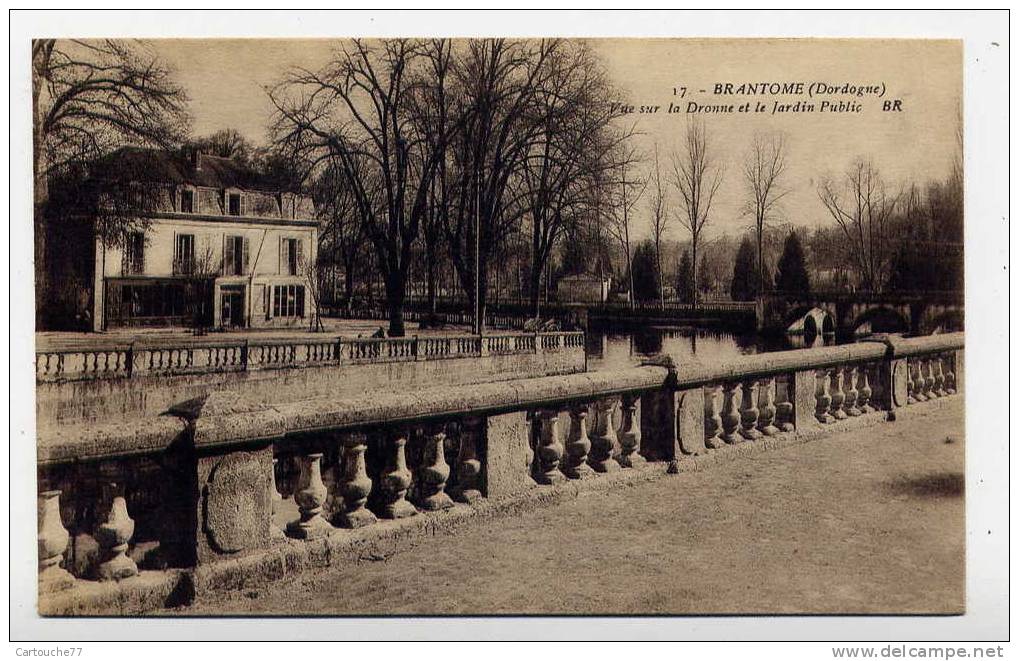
pixel 244 259
pixel 267 299
pixel 140 253
pixel 300 301
pixel 228 255
pixel 300 258
pixel 281 259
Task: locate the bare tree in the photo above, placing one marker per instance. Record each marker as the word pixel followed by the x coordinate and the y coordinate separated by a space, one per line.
pixel 574 144
pixel 697 176
pixel 630 191
pixel 862 206
pixel 659 221
pixel 88 98
pixel 763 168
pixel 357 112
pixel 227 143
pixel 342 234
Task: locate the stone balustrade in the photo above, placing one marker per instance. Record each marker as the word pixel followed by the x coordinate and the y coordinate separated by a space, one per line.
pixel 226 477
pixel 94 360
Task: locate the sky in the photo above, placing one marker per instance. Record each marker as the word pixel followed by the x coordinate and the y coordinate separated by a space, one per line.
pixel 225 80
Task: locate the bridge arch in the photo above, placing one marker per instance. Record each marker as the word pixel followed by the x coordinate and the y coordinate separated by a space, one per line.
pixel 809 321
pixel 880 319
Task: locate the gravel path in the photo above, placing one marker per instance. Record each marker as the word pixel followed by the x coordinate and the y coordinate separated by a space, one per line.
pixel 861 522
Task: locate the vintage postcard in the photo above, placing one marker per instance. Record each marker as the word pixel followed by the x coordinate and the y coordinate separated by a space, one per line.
pixel 479 325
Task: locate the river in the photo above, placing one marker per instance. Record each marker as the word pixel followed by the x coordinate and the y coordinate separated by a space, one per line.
pixel 609 349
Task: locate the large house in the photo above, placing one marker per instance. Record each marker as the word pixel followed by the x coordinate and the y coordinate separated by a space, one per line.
pixel 219 248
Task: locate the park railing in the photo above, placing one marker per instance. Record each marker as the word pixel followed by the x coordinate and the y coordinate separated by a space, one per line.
pixel 209 485
pixel 92 359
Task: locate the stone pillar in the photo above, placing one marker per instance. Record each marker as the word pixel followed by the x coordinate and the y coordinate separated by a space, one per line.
pixel 395 481
pixel 355 486
pixel 629 435
pixel 310 495
pixel 53 538
pixel 805 386
pixel 748 411
pixel 505 443
pixel 275 502
pixel 233 508
pixel 115 530
pixel 434 472
pixel 468 466
pixel 578 445
pixel 689 406
pixel 766 395
pixel 603 437
pixel 713 418
pixel 549 450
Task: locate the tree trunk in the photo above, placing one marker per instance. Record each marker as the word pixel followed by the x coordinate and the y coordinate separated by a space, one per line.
pixel 394 301
pixel 535 286
pixel 431 280
pixel 693 271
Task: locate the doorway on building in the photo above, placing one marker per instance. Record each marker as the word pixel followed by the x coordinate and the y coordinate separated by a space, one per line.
pixel 232 306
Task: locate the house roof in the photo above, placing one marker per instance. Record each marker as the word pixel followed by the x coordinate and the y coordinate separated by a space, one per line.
pixel 160 166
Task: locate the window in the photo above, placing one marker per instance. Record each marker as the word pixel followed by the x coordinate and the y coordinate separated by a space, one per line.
pixel 290 256
pixel 184 254
pixel 288 301
pixel 235 256
pixel 134 253
pixel 187 201
pixel 235 204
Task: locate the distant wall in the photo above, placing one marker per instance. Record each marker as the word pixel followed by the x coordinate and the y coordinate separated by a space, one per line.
pixel 106 400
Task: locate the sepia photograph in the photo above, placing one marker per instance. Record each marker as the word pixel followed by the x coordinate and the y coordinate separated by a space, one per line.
pixel 498 325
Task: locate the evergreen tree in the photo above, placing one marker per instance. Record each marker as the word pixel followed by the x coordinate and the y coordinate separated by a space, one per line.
pixel 684 283
pixel 645 277
pixel 744 285
pixel 792 267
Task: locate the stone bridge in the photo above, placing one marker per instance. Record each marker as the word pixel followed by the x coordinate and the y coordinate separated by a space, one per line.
pixel 848 313
pixel 144 514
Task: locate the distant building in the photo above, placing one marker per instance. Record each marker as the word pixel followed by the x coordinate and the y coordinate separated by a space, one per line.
pixel 221 249
pixel 583 288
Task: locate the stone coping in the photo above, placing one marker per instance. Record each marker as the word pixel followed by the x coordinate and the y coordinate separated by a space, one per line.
pixel 153 590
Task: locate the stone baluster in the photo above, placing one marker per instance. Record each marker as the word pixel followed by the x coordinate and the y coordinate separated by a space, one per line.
pixel 468 466
pixel 275 500
pixel 766 395
pixel 355 485
pixel 629 435
pixel 434 472
pixel 53 539
pixel 865 391
pixel 822 410
pixel 578 445
pixel 310 495
pixel 730 414
pixel 919 382
pixel 749 413
pixel 852 394
pixel 938 372
pixel 949 370
pixel 910 383
pixel 713 418
pixel 114 532
pixel 838 393
pixel 395 481
pixel 603 440
pixel 549 451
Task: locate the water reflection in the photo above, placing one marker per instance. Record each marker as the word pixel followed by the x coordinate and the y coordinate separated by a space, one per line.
pixel 617 348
